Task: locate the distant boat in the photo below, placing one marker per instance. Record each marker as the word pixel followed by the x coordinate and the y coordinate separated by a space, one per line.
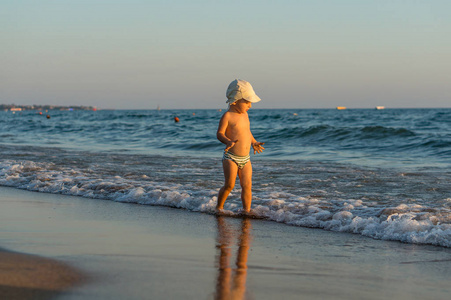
pixel 341 107
pixel 158 107
pixel 380 107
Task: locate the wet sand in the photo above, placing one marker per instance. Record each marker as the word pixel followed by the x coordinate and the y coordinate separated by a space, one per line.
pixel 25 276
pixel 129 251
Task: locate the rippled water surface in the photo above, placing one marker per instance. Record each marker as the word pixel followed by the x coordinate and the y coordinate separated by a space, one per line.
pixel 380 173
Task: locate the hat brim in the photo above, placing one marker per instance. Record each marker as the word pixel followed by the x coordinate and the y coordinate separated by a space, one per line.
pixel 253 99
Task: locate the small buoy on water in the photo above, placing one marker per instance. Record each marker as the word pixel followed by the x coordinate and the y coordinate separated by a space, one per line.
pixel 40 112
pixel 48 116
pixel 176 119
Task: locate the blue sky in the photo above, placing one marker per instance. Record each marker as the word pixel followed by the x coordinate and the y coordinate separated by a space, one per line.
pixel 183 54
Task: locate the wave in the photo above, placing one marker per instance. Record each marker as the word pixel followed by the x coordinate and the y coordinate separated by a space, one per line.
pixel 386 141
pixel 321 132
pixel 410 223
pixel 414 137
pixel 381 131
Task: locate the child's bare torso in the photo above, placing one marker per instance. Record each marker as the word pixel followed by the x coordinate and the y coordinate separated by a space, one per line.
pixel 238 129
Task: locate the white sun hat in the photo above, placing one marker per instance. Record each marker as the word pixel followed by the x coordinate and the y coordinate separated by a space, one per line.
pixel 241 89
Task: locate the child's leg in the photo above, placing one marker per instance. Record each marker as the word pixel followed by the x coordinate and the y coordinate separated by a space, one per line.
pixel 245 175
pixel 230 171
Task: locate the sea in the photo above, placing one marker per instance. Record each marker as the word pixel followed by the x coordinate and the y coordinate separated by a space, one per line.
pixel 383 174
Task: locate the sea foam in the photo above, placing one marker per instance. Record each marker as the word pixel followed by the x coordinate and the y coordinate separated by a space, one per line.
pixel 410 223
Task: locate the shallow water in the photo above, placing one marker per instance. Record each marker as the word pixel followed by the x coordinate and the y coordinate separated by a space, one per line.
pixel 382 174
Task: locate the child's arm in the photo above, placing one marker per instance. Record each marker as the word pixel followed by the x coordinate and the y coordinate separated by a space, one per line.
pixel 220 134
pixel 257 146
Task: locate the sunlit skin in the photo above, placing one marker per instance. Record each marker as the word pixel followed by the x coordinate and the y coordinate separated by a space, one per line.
pixel 235 132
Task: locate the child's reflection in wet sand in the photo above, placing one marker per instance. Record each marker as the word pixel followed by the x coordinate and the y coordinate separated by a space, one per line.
pixel 231 283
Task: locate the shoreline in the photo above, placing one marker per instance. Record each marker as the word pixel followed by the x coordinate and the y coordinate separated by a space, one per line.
pixel 141 252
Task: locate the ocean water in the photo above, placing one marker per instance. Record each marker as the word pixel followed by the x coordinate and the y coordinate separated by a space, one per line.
pixel 384 174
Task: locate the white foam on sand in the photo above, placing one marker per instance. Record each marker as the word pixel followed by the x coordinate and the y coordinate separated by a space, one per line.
pixel 410 223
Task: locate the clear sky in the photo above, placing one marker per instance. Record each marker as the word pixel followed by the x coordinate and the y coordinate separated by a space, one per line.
pixel 139 54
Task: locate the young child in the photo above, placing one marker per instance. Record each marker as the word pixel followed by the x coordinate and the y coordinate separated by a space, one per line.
pixel 235 132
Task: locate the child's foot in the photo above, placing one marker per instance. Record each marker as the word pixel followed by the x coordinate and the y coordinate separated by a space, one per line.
pixel 244 212
pixel 247 213
pixel 222 212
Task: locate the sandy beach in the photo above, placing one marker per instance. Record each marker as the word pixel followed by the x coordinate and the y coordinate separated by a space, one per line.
pixel 31 277
pixel 96 249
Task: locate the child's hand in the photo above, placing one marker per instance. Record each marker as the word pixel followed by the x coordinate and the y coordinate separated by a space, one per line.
pixel 230 145
pixel 258 147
